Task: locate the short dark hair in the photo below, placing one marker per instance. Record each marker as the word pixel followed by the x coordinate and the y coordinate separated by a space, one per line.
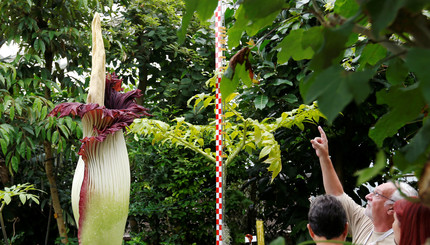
pixel 327 217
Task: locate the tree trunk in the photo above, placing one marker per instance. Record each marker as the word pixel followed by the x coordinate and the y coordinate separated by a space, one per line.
pixel 143 76
pixel 58 211
pixel 143 82
pixel 4 172
pixel 54 192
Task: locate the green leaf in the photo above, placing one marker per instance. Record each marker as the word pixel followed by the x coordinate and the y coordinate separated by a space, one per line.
pixel 23 198
pixel 54 137
pixel 243 74
pixel 371 54
pixel 382 13
pixel 21 149
pixel 229 72
pixel 332 48
pixel 235 32
pixel 346 8
pixel 7 127
pixel 228 86
pixel 36 45
pixel 7 198
pixel 28 129
pixel 15 163
pixel 265 151
pixel 335 88
pixel 313 37
pixel 37 129
pixel 396 71
pixel 18 106
pixel 51 34
pixel 256 9
pixel 260 14
pixel 257 24
pixel 418 144
pixel 260 101
pixel 417 62
pixel 406 166
pixel 290 98
pixel 34 199
pixel 39 45
pixel 12 112
pixel 3 144
pixel 283 81
pixel 405 105
pixel 190 8
pixel 367 174
pixel 257 135
pixel 278 241
pixel 291 46
pixel 205 10
pixel 64 130
pixel 275 167
pixel 28 157
pixel 69 122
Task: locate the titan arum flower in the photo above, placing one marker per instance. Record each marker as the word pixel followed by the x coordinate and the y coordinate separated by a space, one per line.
pixel 101 184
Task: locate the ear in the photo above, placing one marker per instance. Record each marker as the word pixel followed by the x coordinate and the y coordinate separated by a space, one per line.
pixel 311 232
pixel 345 231
pixel 390 211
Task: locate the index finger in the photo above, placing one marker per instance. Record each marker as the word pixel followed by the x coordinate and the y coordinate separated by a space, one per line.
pixel 323 136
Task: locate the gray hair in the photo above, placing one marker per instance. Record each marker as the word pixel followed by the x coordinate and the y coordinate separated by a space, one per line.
pixel 403 190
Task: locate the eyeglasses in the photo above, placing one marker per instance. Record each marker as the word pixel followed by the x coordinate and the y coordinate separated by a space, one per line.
pixel 376 194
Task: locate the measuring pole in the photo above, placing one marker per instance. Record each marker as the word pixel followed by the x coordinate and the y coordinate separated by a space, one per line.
pixel 219 43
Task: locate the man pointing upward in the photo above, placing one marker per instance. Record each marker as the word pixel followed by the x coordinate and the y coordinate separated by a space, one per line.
pixel 370 225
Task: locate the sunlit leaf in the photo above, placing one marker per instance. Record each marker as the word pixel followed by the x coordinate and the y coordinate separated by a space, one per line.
pixel 23 198
pixel 346 8
pixel 265 151
pixel 7 198
pixel 291 46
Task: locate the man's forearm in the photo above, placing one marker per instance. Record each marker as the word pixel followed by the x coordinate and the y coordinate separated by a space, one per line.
pixel 331 181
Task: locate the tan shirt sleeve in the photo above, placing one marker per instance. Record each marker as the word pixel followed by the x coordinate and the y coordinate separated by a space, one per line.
pixel 360 226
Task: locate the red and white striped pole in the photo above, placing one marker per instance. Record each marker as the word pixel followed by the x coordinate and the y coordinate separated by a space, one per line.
pixel 219 42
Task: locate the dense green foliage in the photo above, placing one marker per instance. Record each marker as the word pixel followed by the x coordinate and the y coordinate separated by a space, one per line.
pixel 353 45
pixel 300 52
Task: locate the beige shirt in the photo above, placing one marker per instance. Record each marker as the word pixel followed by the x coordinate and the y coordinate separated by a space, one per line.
pixel 361 226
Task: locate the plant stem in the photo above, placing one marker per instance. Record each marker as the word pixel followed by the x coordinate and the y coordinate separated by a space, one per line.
pixel 3 229
pixel 240 147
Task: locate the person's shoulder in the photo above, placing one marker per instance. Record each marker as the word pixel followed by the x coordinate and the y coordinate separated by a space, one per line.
pixel 389 240
pixel 344 197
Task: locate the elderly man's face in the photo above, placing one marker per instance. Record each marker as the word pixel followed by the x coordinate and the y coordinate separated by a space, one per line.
pixel 376 208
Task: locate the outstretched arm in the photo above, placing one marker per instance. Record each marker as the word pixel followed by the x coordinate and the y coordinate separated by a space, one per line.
pixel 331 182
